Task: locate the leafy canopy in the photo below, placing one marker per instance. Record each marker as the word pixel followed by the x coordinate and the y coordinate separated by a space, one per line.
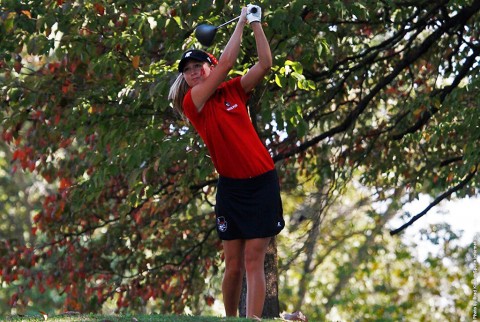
pixel 380 91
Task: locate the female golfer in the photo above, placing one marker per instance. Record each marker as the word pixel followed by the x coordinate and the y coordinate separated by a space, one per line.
pixel 248 205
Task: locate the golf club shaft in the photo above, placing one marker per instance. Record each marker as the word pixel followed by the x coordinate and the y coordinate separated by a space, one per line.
pixel 230 21
pixel 254 10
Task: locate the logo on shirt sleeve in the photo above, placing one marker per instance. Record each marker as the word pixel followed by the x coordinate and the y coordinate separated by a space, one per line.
pixel 229 106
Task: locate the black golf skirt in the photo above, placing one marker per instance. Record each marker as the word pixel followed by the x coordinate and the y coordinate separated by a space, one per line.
pixel 249 208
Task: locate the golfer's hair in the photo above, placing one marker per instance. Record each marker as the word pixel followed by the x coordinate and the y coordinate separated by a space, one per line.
pixel 178 90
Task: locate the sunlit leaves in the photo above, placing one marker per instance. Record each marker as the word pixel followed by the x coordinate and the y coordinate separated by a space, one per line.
pixel 100 135
pixel 292 75
pixel 131 188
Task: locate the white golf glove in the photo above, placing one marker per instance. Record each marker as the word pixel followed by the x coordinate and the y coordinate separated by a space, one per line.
pixel 254 13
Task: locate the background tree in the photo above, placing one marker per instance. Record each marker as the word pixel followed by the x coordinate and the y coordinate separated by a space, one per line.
pixel 348 267
pixel 378 95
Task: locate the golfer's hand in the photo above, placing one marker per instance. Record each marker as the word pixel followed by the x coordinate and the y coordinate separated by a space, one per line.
pixel 243 16
pixel 254 13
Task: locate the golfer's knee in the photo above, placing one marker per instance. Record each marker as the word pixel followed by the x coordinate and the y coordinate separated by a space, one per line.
pixel 235 269
pixel 254 263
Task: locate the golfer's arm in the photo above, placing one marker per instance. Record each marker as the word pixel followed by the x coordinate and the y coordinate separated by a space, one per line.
pixel 202 92
pixel 256 74
pixel 263 47
pixel 232 49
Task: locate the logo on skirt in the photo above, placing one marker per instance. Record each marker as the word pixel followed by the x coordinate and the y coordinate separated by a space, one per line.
pixel 222 224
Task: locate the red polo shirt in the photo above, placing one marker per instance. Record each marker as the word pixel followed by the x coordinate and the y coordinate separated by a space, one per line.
pixel 226 128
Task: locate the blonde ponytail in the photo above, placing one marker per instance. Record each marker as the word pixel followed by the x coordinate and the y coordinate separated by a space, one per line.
pixel 178 90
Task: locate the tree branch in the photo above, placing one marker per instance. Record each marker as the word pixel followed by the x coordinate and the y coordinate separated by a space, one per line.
pixel 460 18
pixel 440 198
pixel 469 62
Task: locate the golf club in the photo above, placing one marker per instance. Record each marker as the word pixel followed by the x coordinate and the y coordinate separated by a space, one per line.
pixel 206 33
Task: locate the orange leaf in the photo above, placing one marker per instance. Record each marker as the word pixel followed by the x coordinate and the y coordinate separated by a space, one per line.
pixel 17 66
pixel 73 66
pixel 99 8
pixel 52 67
pixel 65 142
pixel 57 119
pixel 31 165
pixel 47 177
pixel 7 136
pixel 27 13
pixel 45 315
pixel 210 300
pixel 67 86
pixel 19 155
pixel 65 183
pixel 450 177
pixel 135 61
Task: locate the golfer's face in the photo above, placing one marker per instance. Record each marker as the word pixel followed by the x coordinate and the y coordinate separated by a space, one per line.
pixel 195 71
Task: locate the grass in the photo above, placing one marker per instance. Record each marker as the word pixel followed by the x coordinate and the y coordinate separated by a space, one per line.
pixel 125 318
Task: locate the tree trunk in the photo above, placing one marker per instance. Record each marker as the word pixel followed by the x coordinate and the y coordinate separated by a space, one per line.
pixel 271 307
pixel 310 247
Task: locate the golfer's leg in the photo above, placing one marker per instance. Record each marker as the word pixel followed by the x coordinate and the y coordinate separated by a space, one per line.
pixel 255 250
pixel 234 270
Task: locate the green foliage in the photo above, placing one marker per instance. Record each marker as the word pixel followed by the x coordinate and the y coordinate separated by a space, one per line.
pixel 351 269
pixel 381 95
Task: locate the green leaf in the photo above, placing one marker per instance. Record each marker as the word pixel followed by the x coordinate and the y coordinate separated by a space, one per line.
pixel 280 80
pixel 9 22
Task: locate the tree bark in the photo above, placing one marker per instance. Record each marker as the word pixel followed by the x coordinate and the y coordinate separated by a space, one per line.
pixel 271 307
pixel 310 247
